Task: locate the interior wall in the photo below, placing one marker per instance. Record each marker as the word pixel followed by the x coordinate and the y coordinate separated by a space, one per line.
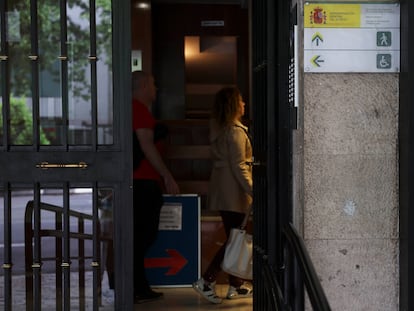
pixel 141 36
pixel 210 64
pixel 171 24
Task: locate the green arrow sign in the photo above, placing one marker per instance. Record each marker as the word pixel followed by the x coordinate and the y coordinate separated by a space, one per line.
pixel 317 38
pixel 316 61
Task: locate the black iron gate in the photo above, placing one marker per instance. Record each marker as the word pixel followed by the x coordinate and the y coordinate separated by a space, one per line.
pixel 272 139
pixel 63 142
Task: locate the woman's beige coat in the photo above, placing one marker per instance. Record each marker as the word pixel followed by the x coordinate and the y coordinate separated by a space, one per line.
pixel 230 187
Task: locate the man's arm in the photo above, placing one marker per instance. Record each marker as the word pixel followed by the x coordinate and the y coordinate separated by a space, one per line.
pixel 146 140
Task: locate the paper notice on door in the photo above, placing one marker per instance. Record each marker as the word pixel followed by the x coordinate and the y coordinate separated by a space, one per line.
pixel 171 216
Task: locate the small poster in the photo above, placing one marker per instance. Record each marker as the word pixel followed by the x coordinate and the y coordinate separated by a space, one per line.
pixel 171 217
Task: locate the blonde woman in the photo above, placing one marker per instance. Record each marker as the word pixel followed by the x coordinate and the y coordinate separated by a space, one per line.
pixel 230 187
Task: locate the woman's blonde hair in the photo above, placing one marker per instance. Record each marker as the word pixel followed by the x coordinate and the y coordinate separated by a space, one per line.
pixel 226 105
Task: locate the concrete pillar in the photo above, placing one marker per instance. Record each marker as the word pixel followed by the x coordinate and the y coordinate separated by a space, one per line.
pixel 350 187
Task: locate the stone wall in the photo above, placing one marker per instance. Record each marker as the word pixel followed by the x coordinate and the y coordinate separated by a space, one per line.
pixel 350 187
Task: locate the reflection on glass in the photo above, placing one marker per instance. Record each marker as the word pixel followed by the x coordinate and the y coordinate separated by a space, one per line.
pixel 105 205
pixel 50 101
pixel 1 86
pixel 1 107
pixel 50 74
pixel 52 224
pixel 80 92
pixel 81 221
pixel 18 39
pixel 78 43
pixel 104 51
pixel 19 247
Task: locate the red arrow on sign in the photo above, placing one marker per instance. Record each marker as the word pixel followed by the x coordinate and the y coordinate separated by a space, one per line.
pixel 176 262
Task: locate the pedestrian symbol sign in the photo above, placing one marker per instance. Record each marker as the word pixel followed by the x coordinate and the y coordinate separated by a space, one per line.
pixel 383 38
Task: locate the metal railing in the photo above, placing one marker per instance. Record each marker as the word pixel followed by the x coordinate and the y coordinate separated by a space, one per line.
pixel 278 280
pixel 313 286
pixel 57 233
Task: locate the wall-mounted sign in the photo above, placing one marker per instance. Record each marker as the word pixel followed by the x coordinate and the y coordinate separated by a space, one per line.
pixel 341 37
pixel 212 23
pixel 136 60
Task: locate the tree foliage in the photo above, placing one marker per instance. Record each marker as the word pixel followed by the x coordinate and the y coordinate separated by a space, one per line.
pixel 54 37
pixel 53 40
pixel 21 124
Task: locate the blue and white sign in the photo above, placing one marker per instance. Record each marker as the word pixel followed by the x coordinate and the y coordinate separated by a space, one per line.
pixel 174 259
pixel 351 37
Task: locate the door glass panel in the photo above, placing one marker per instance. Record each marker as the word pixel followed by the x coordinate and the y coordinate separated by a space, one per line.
pixel 105 205
pixel 104 52
pixel 18 39
pixel 59 252
pixel 50 75
pixel 79 76
pixel 1 106
pixel 1 81
pixel 16 257
pixel 50 94
pixel 87 275
pixel 80 108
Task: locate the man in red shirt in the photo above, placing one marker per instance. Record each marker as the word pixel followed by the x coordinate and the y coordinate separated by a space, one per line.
pixel 150 178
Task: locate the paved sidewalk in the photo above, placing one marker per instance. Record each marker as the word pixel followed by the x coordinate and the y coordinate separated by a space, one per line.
pixel 49 289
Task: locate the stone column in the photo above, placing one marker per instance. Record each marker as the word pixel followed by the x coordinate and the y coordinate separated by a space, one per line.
pixel 350 187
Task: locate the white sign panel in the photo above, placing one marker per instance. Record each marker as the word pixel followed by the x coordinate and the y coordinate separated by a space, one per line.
pixel 352 61
pixel 352 37
pixel 171 216
pixel 380 15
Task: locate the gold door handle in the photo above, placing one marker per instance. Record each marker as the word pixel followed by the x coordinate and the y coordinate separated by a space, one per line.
pixel 47 165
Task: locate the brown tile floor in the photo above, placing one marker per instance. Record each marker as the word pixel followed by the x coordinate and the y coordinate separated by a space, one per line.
pixel 183 299
pixel 175 298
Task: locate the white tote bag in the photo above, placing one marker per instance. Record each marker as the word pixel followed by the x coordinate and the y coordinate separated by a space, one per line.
pixel 238 257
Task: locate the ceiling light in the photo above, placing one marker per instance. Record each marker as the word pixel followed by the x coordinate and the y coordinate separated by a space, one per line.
pixel 142 5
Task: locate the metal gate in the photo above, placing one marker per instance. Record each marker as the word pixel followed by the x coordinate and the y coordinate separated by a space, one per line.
pixel 272 136
pixel 65 159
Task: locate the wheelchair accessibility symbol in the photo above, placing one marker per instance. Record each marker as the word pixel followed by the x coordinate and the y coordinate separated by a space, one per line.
pixel 383 61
